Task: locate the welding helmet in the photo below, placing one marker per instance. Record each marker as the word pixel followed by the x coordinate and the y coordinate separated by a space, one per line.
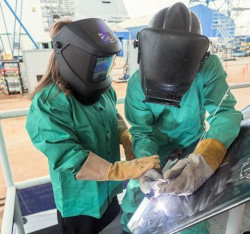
pixel 171 51
pixel 85 51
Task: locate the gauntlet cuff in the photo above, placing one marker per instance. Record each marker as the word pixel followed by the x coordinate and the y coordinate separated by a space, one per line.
pixel 94 168
pixel 213 152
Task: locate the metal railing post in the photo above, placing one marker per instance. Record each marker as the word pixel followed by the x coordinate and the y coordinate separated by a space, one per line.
pixel 9 181
pixel 234 220
pixel 8 214
pixel 18 217
pixel 239 85
pixel 5 161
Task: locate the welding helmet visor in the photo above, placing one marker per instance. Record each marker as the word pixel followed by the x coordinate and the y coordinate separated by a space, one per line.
pixel 85 51
pixel 171 52
pixel 169 67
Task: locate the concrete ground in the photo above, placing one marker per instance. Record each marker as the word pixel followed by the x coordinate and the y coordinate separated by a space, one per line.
pixel 28 163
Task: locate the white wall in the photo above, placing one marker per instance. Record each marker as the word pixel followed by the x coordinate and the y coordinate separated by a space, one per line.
pixel 35 63
pixel 131 57
pixel 96 8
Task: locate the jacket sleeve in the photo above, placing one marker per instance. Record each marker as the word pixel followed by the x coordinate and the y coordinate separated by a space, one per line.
pixel 141 119
pixel 51 129
pixel 224 121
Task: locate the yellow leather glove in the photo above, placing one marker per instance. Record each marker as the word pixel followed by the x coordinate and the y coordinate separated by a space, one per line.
pixel 188 174
pixel 213 151
pixel 125 138
pixel 126 141
pixel 97 168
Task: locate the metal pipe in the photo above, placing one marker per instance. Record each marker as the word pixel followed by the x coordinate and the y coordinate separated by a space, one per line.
pixel 14 31
pixel 8 212
pixel 24 112
pixel 239 85
pixel 32 182
pixel 14 113
pixel 18 217
pixel 234 220
pixel 6 29
pixel 5 161
pixel 20 29
pixel 20 22
pixel 12 204
pixel 2 43
pixel 10 184
pixel 120 100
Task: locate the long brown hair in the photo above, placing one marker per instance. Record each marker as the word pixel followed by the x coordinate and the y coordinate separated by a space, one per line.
pixel 52 74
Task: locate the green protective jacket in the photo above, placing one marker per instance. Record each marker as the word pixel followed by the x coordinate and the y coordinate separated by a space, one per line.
pixel 65 131
pixel 156 128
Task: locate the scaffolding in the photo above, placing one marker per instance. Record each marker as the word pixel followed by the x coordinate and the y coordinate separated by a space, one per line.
pixel 54 10
pixel 224 28
pixel 231 24
pixel 18 26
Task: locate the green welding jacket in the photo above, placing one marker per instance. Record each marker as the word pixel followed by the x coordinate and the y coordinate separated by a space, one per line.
pixel 158 129
pixel 65 131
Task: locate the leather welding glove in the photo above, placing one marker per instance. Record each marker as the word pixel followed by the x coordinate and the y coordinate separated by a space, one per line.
pixel 97 168
pixel 125 138
pixel 148 179
pixel 188 174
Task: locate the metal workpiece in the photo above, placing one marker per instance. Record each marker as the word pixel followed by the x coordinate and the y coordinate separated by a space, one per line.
pixel 227 189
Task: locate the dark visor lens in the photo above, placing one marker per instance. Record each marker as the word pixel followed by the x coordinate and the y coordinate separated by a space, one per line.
pixel 103 68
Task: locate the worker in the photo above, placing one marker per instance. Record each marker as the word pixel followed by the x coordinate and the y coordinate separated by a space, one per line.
pixel 166 102
pixel 73 121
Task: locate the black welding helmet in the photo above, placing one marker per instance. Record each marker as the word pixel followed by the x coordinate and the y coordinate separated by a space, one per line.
pixel 85 51
pixel 171 52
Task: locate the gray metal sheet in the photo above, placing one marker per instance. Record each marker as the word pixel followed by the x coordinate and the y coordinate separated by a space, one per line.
pixel 227 188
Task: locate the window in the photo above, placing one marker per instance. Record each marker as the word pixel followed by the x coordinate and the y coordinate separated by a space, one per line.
pixel 45 45
pixel 39 77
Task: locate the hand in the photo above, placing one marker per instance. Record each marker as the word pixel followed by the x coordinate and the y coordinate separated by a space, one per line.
pixel 97 168
pixel 133 169
pixel 185 177
pixel 126 140
pixel 148 179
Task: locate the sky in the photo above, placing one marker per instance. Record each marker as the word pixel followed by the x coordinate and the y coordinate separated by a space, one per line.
pixel 137 8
